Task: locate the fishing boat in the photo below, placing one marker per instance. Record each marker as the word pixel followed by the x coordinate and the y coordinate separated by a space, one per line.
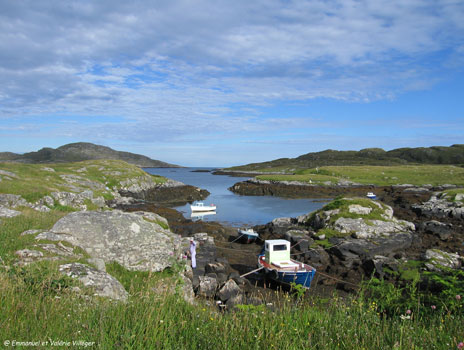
pixel 278 266
pixel 247 235
pixel 371 195
pixel 200 206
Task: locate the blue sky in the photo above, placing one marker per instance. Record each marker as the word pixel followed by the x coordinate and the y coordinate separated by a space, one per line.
pixel 220 83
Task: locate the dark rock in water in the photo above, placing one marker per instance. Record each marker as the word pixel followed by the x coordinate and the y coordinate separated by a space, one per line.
pixel 443 231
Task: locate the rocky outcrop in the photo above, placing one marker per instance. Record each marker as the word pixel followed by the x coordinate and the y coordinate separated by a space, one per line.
pixel 169 192
pixel 101 283
pixel 440 206
pixel 134 240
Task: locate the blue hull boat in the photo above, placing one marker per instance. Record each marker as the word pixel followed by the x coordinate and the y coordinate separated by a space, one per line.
pixel 297 272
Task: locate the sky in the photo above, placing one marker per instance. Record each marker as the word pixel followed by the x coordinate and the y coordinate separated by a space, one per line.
pixel 222 83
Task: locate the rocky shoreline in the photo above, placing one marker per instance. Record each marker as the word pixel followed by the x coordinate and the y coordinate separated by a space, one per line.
pixel 347 241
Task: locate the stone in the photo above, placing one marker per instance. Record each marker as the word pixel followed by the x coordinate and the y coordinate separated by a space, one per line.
pixel 12 200
pixel 353 249
pixel 8 173
pixel 438 259
pixel 127 238
pixel 229 290
pixel 215 267
pixel 377 264
pixel 207 287
pixel 98 263
pixel 358 209
pixel 361 229
pixel 8 213
pixel 443 231
pixel 103 284
pixel 235 300
pixel 31 232
pixel 29 254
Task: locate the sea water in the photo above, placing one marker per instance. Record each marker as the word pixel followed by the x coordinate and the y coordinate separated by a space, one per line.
pixel 233 209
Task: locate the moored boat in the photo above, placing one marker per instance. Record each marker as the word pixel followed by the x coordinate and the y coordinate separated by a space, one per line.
pixel 200 206
pixel 371 195
pixel 279 267
pixel 247 235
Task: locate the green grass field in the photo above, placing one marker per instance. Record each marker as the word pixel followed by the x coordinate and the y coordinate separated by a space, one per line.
pixel 378 175
pixel 33 181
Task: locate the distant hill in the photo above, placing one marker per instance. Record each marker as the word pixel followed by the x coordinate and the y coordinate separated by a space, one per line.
pixel 79 151
pixel 369 156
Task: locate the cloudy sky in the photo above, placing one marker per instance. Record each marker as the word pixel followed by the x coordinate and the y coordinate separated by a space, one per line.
pixel 218 83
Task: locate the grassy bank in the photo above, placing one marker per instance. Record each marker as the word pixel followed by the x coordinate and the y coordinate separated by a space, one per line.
pixel 163 321
pixel 34 181
pixel 376 175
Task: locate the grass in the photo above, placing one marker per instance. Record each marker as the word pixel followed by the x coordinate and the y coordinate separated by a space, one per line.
pixel 378 175
pixel 33 182
pixel 150 321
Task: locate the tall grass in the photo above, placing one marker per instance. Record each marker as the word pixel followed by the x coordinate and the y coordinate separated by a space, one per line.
pixel 153 321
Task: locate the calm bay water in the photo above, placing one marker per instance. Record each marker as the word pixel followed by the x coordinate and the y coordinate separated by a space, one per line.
pixel 233 209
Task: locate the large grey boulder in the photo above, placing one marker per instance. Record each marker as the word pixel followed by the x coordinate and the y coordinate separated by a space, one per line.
pixel 134 240
pixel 103 284
pixel 352 250
pixel 361 228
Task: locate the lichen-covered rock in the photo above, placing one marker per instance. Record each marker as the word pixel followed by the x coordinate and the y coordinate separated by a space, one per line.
pixel 440 206
pixel 130 239
pixel 362 229
pixel 12 200
pixel 8 213
pixel 103 284
pixel 358 209
pixel 438 259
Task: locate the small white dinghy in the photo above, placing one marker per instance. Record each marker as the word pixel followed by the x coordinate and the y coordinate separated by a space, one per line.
pixel 200 206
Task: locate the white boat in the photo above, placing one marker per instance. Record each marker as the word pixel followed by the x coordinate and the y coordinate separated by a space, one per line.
pixel 200 206
pixel 247 234
pixel 371 195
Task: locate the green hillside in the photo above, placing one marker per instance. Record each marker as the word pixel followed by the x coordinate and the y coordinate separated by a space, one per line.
pixel 80 151
pixel 453 155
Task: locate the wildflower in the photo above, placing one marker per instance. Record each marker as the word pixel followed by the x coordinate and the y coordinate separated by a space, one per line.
pixel 161 321
pixel 460 345
pixel 458 297
pixel 408 312
pixel 403 317
pixel 433 307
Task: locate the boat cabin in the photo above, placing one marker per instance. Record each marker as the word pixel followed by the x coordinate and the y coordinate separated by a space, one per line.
pixel 276 250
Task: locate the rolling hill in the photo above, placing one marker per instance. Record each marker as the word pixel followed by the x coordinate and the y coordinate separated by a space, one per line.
pixel 80 151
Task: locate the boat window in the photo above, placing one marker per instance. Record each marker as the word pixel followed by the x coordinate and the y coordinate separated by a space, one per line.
pixel 267 246
pixel 280 247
